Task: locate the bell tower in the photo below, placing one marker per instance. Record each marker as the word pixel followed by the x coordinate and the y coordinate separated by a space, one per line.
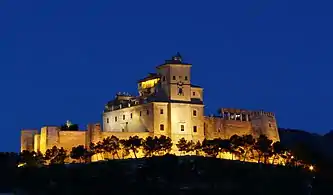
pixel 176 79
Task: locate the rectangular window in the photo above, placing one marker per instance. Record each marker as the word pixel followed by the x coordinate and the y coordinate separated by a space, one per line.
pixel 173 77
pixel 147 112
pixel 131 115
pixel 140 113
pixel 123 117
pixel 161 127
pixel 185 78
pixel 115 119
pixel 161 111
pixel 194 113
pixel 163 78
pixel 107 120
pixel 193 93
pixel 182 127
pixel 194 129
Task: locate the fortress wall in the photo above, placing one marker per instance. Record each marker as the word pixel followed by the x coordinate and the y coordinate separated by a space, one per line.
pixel 49 137
pixel 70 139
pixel 27 139
pixel 37 142
pixel 221 128
pixel 233 127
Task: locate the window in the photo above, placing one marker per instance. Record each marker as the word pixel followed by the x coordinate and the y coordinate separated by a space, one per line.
pixel 131 115
pixel 185 78
pixel 269 125
pixel 147 112
pixel 193 93
pixel 161 127
pixel 180 77
pixel 182 127
pixel 123 117
pixel 173 77
pixel 194 113
pixel 161 111
pixel 115 119
pixel 163 78
pixel 194 129
pixel 107 120
pixel 140 113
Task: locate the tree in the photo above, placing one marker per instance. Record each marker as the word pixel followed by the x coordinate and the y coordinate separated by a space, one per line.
pixel 106 146
pixel 164 144
pixel 236 145
pixel 263 148
pixel 182 145
pixel 210 147
pixel 115 145
pixel 133 143
pixel 32 158
pixel 278 150
pixel 198 148
pixel 55 155
pixel 79 153
pixel 248 144
pixel 149 146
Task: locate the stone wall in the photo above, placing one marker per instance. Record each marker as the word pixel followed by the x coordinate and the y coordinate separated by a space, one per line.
pixel 27 139
pixel 70 139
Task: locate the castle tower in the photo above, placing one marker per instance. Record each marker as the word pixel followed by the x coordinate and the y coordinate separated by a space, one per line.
pixel 28 139
pixel 176 79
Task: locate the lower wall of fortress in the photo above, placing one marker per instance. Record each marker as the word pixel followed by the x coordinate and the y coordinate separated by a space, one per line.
pixel 224 129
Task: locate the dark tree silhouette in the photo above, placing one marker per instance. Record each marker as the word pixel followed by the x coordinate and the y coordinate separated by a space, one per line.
pixel 182 145
pixel 149 146
pixel 133 143
pixel 263 148
pixel 79 153
pixel 32 158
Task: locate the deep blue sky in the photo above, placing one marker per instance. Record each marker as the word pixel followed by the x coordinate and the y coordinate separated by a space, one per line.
pixel 64 60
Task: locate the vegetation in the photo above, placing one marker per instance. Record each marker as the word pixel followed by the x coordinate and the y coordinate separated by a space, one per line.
pixel 242 148
pixel 164 173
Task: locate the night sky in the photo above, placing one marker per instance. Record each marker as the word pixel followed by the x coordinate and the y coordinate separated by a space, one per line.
pixel 64 60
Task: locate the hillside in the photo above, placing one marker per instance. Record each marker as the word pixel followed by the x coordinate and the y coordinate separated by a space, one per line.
pixel 166 175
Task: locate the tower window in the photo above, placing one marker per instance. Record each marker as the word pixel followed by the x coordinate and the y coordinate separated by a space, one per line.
pixel 194 113
pixel 194 129
pixel 193 93
pixel 115 119
pixel 123 117
pixel 161 111
pixel 147 112
pixel 107 120
pixel 185 78
pixel 173 77
pixel 182 127
pixel 161 127
pixel 140 113
pixel 131 115
pixel 269 125
pixel 163 78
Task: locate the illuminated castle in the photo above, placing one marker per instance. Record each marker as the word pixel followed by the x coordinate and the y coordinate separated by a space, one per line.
pixel 168 104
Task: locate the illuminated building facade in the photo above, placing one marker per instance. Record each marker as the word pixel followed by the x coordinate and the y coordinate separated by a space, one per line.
pixel 167 104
